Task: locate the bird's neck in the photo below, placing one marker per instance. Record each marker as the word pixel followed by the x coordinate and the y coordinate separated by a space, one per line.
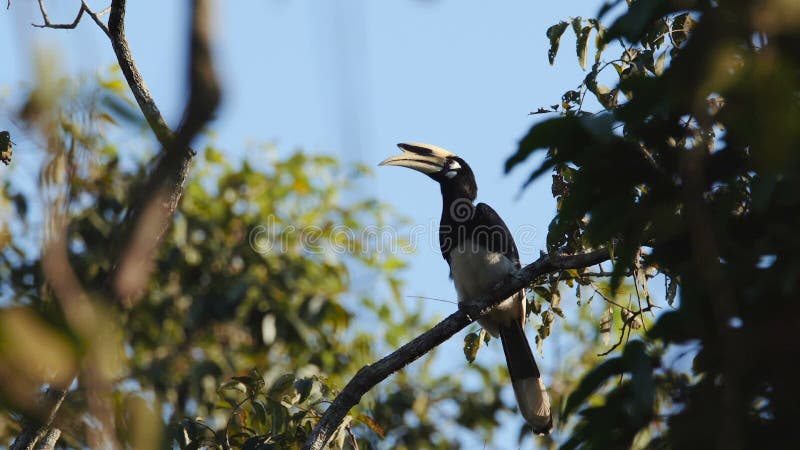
pixel 457 207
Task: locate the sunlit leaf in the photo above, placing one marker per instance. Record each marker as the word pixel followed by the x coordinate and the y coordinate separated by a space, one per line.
pixel 472 343
pixel 581 39
pixel 370 422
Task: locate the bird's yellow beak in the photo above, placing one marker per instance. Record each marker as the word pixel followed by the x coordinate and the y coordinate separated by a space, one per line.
pixel 425 158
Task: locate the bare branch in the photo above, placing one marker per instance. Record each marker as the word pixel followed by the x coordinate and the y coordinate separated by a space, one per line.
pixel 37 430
pixel 69 26
pixel 371 375
pixel 48 24
pixel 607 299
pixel 116 26
pixel 50 439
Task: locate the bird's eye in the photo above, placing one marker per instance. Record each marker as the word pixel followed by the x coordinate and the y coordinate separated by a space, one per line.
pixel 452 169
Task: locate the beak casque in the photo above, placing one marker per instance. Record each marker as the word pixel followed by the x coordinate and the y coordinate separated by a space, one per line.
pixel 424 158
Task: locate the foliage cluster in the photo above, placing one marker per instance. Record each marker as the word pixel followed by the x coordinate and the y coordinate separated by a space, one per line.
pixel 690 168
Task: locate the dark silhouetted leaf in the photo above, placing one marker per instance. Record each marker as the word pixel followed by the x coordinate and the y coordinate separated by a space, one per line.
pixel 554 35
pixel 5 147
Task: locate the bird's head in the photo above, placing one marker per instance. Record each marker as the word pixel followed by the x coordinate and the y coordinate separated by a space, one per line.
pixel 449 170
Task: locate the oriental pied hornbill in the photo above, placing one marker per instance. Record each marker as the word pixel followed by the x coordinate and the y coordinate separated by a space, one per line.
pixel 481 252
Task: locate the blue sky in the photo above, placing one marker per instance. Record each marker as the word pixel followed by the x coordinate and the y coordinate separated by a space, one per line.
pixel 352 78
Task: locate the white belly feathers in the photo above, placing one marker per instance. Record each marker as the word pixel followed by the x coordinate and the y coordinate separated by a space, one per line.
pixel 475 271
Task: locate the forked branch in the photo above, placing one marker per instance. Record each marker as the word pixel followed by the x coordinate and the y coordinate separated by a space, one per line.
pixel 68 26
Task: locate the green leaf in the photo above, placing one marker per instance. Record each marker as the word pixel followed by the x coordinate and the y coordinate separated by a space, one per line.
pixel 607 7
pixel 282 386
pixel 660 63
pixel 544 135
pixel 635 360
pixel 279 415
pixel 261 412
pixel 234 385
pixel 212 155
pixel 606 320
pixel 472 342
pixel 577 24
pixel 600 43
pixel 554 34
pixel 571 97
pixel 682 25
pixel 672 291
pixel 542 291
pixel 636 20
pixel 303 387
pixel 591 382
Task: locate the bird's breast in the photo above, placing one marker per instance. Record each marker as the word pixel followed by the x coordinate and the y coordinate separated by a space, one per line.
pixel 476 270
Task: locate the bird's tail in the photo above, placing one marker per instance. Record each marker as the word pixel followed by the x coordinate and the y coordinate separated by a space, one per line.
pixel 532 398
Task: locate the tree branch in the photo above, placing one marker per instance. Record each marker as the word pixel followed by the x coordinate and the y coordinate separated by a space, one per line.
pixel 369 376
pixel 36 431
pixel 68 26
pixel 116 27
pixel 150 213
pixel 49 440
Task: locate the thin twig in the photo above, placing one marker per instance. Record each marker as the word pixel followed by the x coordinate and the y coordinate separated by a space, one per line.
pixel 607 299
pixel 96 17
pixel 626 325
pixel 62 26
pixel 639 300
pixel 431 298
pixel 352 436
